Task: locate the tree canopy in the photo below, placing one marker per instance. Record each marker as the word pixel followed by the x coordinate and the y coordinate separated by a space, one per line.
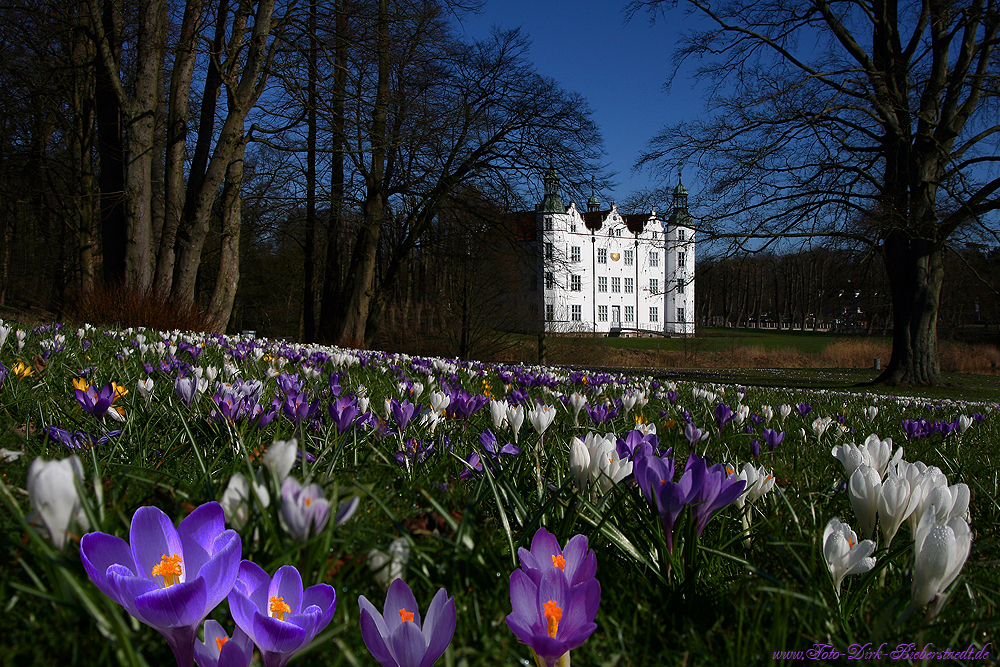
pixel 875 121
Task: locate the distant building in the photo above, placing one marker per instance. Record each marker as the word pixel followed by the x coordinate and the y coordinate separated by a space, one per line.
pixel 605 272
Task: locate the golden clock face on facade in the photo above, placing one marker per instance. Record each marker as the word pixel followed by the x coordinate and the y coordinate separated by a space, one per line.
pixel 615 256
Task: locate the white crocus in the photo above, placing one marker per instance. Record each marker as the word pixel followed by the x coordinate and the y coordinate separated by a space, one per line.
pixel 864 489
pixel 759 482
pixel 52 492
pixel 280 457
pixel 498 411
pixel 871 412
pixel 236 500
pixel 895 504
pixel 145 388
pixel 851 456
pixel 784 410
pixel 515 418
pixel 387 567
pixel 819 426
pixel 579 463
pixel 843 553
pixel 541 417
pixel 949 502
pixel 940 549
pixel 767 413
pixel 577 401
pixel 929 478
pixel 880 453
pixel 439 401
pixel 964 421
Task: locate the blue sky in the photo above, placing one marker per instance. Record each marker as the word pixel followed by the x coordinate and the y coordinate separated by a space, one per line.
pixel 619 67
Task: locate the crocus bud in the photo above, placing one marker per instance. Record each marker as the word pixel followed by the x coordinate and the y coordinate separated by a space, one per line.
pixel 579 462
pixel 52 493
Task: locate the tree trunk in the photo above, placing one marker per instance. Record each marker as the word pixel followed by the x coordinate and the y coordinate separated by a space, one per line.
pixel 309 247
pixel 916 273
pixel 111 152
pixel 359 286
pixel 227 280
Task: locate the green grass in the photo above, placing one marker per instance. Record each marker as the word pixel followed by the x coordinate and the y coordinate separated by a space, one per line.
pixel 717 339
pixel 738 598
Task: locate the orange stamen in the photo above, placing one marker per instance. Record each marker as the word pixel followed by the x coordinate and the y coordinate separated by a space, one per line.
pixel 560 562
pixel 279 608
pixel 219 641
pixel 170 569
pixel 553 614
pixel 405 615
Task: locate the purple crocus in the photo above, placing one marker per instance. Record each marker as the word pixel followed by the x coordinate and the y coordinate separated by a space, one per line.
pixel 654 476
pixel 397 638
pixel 96 401
pixel 712 489
pixel 803 408
pixel 773 438
pixel 186 388
pixel 221 650
pixel 723 415
pixel 578 564
pixel 169 578
pixel 343 412
pixel 276 613
pixel 403 412
pixel 553 615
pixel 755 448
pixel 694 434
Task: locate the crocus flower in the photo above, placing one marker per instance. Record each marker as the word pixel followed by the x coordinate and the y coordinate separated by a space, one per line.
pixel 579 462
pixel 865 489
pixel 95 401
pixel 304 509
pixel 843 553
pixel 552 617
pixel 895 504
pixel 403 412
pixel 237 497
pixel 343 412
pixel 723 415
pixel 186 388
pixel 711 489
pixel 170 578
pixel 276 613
pixel 541 417
pixel 941 549
pixel 803 408
pixel 398 639
pixel 577 562
pixel 280 457
pixel 773 438
pixel 52 493
pixel 221 650
pixel 694 434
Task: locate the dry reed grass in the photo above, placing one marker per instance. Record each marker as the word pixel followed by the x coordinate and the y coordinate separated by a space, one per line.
pixel 128 307
pixel 840 353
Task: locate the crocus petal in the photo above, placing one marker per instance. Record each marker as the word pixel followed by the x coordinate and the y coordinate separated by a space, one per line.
pixel 408 644
pixel 221 570
pixel 274 636
pixel 287 584
pixel 99 551
pixel 439 626
pixel 374 633
pixel 324 597
pixel 399 597
pixel 176 606
pixel 152 535
pixel 198 532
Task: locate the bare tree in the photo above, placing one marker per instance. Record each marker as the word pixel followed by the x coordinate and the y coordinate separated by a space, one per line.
pixel 870 120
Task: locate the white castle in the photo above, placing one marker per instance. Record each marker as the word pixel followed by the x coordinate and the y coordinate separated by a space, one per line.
pixel 608 273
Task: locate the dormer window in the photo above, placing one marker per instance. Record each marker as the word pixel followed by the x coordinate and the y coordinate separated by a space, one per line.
pixel 680 234
pixel 548 223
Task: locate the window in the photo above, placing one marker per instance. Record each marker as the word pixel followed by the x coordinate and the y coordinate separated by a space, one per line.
pixel 628 258
pixel 654 314
pixel 618 232
pixel 629 288
pixel 654 258
pixel 654 286
pixel 572 227
pixel 549 251
pixel 680 286
pixel 550 280
pixel 575 283
pixel 680 315
pixel 602 255
pixel 629 313
pixel 548 223
pixel 616 285
pixel 655 234
pixel 574 253
pixel 680 234
pixel 602 313
pixel 602 284
pixel 576 312
pixel 682 259
pixel 550 312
